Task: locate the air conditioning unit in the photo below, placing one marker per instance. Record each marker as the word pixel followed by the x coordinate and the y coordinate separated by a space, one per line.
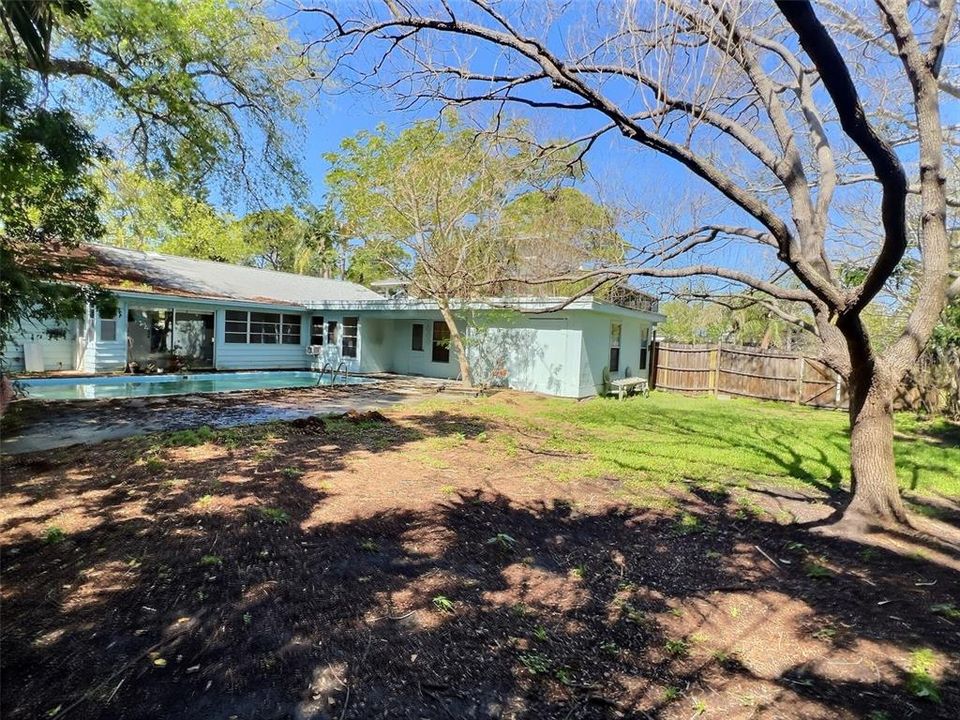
pixel 314 349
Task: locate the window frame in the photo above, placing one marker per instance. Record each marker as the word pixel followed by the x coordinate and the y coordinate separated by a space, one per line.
pixel 291 329
pixel 414 340
pixel 230 336
pixel 644 348
pixel 616 338
pixel 265 330
pixel 262 328
pixel 109 322
pixel 441 348
pixel 348 340
pixel 316 321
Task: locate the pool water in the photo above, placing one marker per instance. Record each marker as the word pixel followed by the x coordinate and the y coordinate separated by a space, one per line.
pixel 91 388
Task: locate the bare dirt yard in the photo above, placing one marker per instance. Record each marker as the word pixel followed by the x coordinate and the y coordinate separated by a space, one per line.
pixel 491 558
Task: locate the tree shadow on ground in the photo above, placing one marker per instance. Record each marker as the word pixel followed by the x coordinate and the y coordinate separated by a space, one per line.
pixel 211 588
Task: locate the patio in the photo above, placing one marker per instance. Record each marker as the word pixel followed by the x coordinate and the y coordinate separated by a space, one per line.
pixel 36 425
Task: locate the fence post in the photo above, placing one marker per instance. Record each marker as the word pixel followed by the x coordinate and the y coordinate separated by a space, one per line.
pixel 801 366
pixel 714 373
pixel 654 363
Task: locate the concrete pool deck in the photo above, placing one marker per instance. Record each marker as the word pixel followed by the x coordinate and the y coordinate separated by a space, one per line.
pixel 47 425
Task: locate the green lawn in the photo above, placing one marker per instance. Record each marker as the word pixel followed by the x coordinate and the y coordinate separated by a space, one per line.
pixel 669 438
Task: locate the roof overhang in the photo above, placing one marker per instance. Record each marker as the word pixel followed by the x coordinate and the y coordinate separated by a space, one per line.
pixel 527 305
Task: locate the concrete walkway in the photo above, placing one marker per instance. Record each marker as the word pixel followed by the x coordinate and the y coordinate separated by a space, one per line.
pixel 52 424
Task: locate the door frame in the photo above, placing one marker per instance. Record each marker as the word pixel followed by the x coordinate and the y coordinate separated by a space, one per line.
pixel 173 329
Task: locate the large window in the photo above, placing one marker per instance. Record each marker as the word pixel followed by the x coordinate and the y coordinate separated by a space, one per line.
pixel 349 337
pixel 261 328
pixel 615 331
pixel 316 330
pixel 416 339
pixel 441 342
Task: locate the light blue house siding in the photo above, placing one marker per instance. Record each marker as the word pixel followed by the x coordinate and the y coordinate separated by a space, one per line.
pixel 595 333
pixel 57 342
pixel 100 356
pixel 560 353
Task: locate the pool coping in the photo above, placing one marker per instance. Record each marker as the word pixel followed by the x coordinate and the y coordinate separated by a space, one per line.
pixel 371 378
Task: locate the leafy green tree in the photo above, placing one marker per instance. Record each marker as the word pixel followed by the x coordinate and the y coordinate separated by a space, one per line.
pixel 48 206
pixel 190 92
pixel 196 89
pixel 306 243
pixel 561 230
pixel 445 210
pixel 696 321
pixel 152 214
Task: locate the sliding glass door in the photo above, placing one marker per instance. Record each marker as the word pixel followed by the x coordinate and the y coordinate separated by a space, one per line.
pixel 193 338
pixel 168 339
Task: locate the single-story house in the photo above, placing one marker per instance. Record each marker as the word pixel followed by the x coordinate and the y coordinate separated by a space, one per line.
pixel 210 315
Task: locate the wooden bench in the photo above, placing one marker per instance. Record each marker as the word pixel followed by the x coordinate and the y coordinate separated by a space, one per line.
pixel 628 386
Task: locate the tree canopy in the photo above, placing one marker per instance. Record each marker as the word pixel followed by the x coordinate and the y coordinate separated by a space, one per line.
pixel 195 92
pixel 785 113
pixel 48 206
pixel 458 213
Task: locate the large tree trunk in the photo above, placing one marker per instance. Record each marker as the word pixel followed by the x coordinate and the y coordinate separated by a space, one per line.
pixel 875 491
pixel 456 340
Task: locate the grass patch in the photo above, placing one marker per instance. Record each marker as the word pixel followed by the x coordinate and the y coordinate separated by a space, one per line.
pixel 188 438
pixel 688 523
pixel 920 681
pixel 535 663
pixel 53 535
pixel 948 610
pixel 679 647
pixel 441 603
pixel 275 515
pixel 712 444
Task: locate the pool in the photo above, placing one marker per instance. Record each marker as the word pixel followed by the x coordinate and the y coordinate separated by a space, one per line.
pixel 129 386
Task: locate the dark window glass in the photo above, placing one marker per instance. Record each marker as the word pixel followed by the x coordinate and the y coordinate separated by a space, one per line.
pixel 235 328
pixel 332 332
pixel 441 342
pixel 316 330
pixel 265 328
pixel 416 341
pixel 349 339
pixel 615 347
pixel 108 329
pixel 290 330
pixel 643 358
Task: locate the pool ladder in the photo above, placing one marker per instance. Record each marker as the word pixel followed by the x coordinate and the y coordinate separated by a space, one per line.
pixel 333 373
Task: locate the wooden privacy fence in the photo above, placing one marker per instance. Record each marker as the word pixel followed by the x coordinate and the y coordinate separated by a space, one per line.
pixel 747 372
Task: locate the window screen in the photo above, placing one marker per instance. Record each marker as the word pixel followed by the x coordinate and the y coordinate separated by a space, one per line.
pixel 235 329
pixel 265 328
pixel 290 330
